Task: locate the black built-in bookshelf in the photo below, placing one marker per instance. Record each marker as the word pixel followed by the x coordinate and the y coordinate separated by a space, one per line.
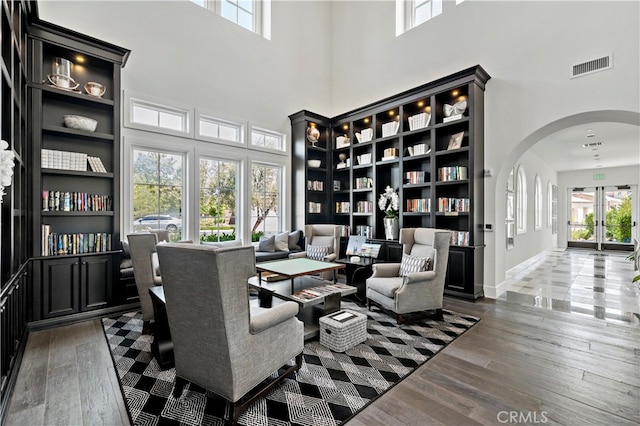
pixel 422 143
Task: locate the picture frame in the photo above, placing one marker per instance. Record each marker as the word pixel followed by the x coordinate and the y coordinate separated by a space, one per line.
pixel 455 141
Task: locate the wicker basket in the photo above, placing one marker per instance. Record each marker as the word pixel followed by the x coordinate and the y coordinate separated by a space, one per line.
pixel 339 332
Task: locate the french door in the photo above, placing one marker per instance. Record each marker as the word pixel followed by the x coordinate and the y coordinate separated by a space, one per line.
pixel 602 218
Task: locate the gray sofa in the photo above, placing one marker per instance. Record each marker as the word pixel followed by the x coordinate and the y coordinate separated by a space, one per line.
pixel 273 247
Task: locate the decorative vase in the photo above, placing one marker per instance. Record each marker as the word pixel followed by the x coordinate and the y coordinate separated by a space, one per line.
pixel 391 229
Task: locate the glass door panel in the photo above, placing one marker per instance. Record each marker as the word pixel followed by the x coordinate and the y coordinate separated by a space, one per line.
pixel 602 218
pixel 618 218
pixel 582 223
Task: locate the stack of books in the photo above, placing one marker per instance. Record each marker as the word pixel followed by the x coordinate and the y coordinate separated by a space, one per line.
pixel 419 121
pixel 63 160
pixel 390 128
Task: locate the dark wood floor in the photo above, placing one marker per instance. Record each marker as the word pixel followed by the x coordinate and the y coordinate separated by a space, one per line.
pixel 518 365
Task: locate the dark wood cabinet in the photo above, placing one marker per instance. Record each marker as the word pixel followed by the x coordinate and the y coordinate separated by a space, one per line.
pixel 75 203
pixel 428 144
pixel 310 135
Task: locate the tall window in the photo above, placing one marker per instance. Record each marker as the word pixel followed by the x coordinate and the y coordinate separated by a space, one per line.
pixel 549 204
pixel 521 201
pixel 266 204
pixel 411 13
pixel 218 198
pixel 157 192
pixel 537 201
pixel 253 15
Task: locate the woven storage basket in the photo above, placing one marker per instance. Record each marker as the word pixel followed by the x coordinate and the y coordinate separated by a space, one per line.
pixel 341 335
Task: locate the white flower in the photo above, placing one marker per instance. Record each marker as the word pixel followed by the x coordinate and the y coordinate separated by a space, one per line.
pixel 389 202
pixel 6 166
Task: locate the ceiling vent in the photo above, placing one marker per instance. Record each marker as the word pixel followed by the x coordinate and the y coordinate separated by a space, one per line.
pixel 591 144
pixel 594 65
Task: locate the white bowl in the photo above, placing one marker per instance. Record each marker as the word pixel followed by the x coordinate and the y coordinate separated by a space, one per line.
pixel 79 122
pixel 94 89
pixel 314 163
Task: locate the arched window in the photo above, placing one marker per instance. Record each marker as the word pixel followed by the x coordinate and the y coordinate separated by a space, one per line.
pixel 521 201
pixel 549 204
pixel 537 204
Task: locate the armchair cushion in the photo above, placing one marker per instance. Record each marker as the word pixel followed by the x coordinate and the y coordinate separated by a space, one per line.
pixel 281 242
pixel 317 252
pixel 267 244
pixel 263 318
pixel 385 286
pixel 412 264
pixel 323 240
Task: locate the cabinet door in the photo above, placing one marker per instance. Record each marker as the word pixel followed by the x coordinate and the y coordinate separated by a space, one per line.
pixel 96 282
pixel 60 285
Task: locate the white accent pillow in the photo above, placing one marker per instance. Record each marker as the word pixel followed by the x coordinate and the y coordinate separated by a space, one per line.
pixel 282 242
pixel 411 264
pixel 317 252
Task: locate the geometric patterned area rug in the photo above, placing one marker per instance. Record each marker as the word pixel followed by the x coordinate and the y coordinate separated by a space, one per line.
pixel 328 389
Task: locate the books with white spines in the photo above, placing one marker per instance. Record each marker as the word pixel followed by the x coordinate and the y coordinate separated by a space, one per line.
pixel 391 157
pixel 419 121
pixel 390 128
pixel 96 164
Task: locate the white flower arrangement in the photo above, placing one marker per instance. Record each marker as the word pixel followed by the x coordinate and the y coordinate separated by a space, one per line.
pixel 6 167
pixel 389 202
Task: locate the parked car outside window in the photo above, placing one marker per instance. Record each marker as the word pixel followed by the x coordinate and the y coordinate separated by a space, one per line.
pixel 157 222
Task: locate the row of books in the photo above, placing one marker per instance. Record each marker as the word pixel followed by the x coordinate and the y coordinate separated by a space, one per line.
pixel 459 238
pixel 364 207
pixel 446 174
pixel 419 121
pixel 363 182
pixel 415 177
pixel 418 205
pixel 343 207
pixel 68 160
pixel 364 230
pixel 314 207
pixel 446 204
pixel 56 244
pixel 75 201
pixel 315 185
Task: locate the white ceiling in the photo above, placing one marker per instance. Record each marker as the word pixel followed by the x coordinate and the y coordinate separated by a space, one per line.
pixel 563 150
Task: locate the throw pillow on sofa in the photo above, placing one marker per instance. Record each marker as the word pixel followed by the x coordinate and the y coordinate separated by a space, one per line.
pixel 317 252
pixel 267 244
pixel 282 242
pixel 294 239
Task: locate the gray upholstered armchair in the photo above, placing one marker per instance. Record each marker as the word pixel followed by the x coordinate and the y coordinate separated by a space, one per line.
pixel 218 342
pixel 321 237
pixel 142 246
pixel 394 287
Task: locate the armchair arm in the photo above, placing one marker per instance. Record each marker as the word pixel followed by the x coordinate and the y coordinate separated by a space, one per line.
pixel 418 277
pixel 330 257
pixel 298 255
pixel 268 318
pixel 385 270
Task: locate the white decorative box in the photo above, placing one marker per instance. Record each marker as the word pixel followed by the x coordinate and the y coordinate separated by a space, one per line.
pixel 343 330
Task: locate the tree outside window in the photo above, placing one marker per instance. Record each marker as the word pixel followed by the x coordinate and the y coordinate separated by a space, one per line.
pixel 218 195
pixel 265 199
pixel 157 192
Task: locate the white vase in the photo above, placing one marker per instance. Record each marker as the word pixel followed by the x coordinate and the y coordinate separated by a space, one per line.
pixel 391 228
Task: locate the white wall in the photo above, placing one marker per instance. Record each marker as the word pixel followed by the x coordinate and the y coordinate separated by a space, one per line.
pixel 331 57
pixel 526 46
pixel 184 53
pixel 533 241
